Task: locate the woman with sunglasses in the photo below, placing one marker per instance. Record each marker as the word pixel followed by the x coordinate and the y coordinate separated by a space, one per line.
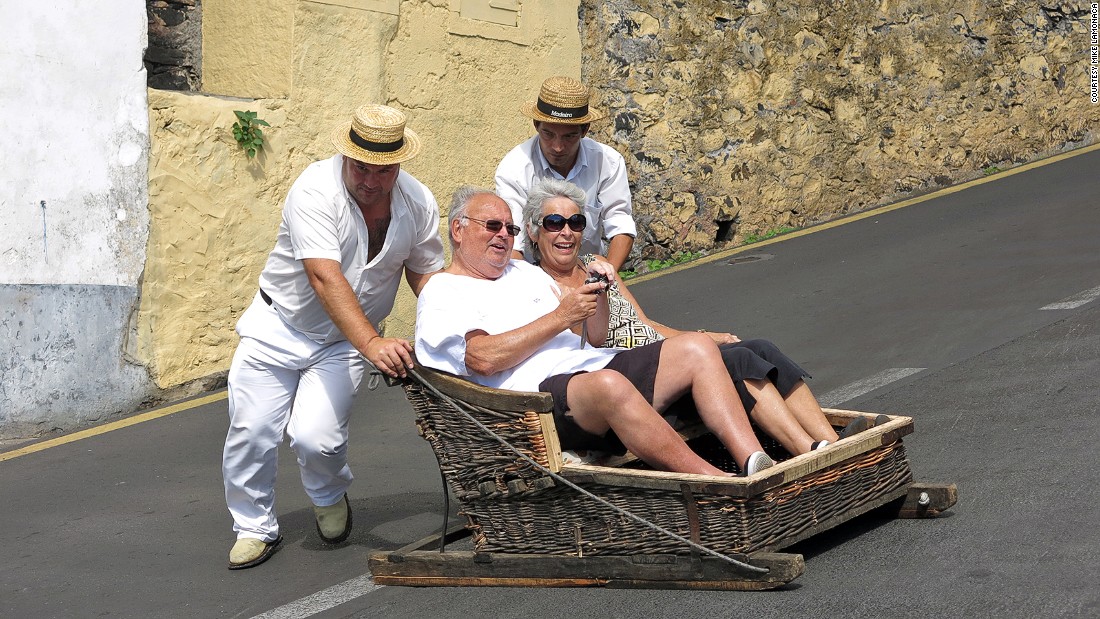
pixel 771 385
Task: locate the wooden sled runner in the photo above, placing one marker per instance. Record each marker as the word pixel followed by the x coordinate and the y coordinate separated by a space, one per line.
pixel 533 520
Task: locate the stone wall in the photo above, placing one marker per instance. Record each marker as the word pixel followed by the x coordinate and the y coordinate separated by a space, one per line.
pixel 741 117
pixel 173 59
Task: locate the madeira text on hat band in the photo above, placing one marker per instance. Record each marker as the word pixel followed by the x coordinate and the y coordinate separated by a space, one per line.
pixel 561 112
pixel 378 147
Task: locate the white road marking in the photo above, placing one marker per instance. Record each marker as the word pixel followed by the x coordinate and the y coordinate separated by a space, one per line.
pixel 323 600
pixel 866 385
pixel 1075 301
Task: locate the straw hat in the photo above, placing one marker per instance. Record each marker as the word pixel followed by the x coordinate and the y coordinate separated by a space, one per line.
pixel 377 135
pixel 561 100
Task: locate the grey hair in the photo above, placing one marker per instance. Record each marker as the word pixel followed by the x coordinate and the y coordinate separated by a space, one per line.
pixel 543 190
pixel 460 203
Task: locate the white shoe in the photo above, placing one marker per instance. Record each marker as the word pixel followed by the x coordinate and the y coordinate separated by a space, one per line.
pixel 819 445
pixel 757 462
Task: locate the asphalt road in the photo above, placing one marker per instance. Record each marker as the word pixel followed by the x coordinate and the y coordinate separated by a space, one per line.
pixel 934 310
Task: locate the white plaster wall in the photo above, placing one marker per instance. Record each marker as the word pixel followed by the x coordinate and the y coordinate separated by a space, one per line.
pixel 74 134
pixel 74 127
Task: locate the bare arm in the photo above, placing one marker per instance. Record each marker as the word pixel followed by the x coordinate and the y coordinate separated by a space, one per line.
pixel 598 322
pixel 417 280
pixel 391 355
pixel 618 250
pixel 489 354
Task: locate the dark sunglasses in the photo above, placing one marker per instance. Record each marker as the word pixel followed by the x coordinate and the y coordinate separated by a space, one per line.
pixel 555 222
pixel 494 225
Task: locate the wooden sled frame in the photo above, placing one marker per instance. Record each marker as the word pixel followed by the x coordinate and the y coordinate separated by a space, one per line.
pixel 427 562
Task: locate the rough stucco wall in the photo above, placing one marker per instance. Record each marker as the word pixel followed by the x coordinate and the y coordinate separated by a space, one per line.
pixel 212 212
pixel 741 117
pixel 215 214
pixel 73 117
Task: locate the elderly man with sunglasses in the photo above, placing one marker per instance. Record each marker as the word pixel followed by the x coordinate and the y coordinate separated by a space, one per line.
pixel 505 324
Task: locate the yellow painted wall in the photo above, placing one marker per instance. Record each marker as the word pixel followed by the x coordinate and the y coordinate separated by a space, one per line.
pixel 458 68
pixel 246 48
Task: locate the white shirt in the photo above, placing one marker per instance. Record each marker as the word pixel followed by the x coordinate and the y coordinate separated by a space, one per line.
pixel 450 306
pixel 600 171
pixel 321 220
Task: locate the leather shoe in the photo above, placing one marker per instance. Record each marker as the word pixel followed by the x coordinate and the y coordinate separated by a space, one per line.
pixel 250 552
pixel 334 521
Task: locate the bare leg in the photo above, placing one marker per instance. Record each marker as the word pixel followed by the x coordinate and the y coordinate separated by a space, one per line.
pixel 692 362
pixel 802 403
pixel 606 399
pixel 773 416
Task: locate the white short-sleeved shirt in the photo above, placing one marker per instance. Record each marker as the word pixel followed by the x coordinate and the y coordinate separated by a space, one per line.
pixel 600 171
pixel 450 306
pixel 321 220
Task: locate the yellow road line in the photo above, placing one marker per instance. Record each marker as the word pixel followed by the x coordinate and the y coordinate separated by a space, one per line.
pixel 865 214
pixel 115 425
pixel 176 408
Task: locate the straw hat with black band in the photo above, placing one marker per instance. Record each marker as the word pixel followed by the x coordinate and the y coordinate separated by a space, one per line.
pixel 376 135
pixel 562 100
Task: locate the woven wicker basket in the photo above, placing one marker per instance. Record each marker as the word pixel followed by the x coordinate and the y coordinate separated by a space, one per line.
pixel 515 507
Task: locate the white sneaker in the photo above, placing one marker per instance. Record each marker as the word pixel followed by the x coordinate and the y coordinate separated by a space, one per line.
pixel 757 462
pixel 819 445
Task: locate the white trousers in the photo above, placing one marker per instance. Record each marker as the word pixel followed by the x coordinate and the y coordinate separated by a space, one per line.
pixel 280 382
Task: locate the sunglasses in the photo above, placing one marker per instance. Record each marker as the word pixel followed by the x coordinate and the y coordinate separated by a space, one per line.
pixel 494 225
pixel 554 223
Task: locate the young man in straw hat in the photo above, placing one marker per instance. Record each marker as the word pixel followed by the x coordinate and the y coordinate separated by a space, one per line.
pixel 560 149
pixel 351 224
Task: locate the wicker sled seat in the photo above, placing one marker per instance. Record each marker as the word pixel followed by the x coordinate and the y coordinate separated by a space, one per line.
pixel 513 506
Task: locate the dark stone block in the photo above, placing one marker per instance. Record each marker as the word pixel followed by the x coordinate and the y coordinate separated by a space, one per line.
pixel 172 79
pixel 174 53
pixel 169 16
pixel 626 121
pixel 164 55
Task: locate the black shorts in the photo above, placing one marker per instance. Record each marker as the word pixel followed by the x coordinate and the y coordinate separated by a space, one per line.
pixel 638 365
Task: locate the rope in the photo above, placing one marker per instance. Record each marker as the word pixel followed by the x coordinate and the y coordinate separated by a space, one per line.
pixel 558 478
pixel 375 376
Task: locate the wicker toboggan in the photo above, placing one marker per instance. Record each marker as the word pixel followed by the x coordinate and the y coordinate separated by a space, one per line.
pixel 512 506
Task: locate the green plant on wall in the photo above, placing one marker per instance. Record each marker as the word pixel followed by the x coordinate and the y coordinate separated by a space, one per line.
pixel 247 132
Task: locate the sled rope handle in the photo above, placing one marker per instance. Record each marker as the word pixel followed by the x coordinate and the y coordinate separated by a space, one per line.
pixel 558 478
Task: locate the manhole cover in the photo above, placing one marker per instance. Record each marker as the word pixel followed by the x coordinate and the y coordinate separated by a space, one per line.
pixel 750 258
